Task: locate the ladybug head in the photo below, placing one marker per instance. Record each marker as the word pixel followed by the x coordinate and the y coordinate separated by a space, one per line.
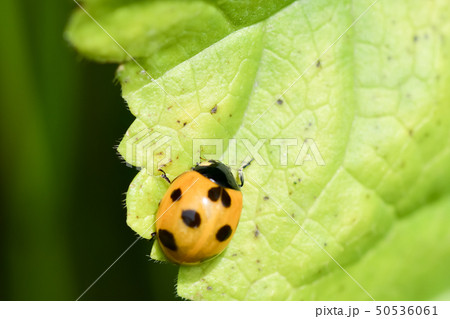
pixel 217 172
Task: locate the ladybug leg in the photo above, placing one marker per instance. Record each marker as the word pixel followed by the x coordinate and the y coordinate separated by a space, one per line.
pixel 241 172
pixel 241 178
pixel 247 164
pixel 163 175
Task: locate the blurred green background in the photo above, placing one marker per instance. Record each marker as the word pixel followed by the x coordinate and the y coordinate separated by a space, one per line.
pixel 62 220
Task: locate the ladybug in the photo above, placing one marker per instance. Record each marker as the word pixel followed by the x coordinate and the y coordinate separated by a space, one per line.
pixel 199 213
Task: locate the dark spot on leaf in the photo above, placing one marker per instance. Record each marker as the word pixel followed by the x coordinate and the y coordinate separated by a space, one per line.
pixel 279 101
pixel 191 218
pixel 256 231
pixel 209 288
pixel 416 38
pixel 184 124
pixel 266 197
pixel 214 109
pixel 223 233
pixel 318 64
pixel 166 238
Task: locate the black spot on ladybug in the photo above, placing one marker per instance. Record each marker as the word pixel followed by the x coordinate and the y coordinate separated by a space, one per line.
pixel 223 233
pixel 214 193
pixel 191 218
pixel 279 101
pixel 176 195
pixel 214 109
pixel 166 238
pixel 226 199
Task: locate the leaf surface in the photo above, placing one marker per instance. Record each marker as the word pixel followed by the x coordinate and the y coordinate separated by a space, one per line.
pixel 373 99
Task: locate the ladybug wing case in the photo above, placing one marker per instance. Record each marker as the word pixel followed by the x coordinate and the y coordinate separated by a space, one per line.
pixel 197 218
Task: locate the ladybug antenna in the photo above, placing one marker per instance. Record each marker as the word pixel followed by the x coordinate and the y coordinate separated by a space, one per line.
pixel 163 175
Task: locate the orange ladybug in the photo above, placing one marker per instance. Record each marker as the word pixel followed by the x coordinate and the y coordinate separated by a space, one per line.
pixel 199 213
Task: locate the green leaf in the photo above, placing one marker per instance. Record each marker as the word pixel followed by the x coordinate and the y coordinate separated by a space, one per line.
pixel 372 102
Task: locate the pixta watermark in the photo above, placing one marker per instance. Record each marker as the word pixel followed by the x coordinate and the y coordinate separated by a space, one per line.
pixel 153 150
